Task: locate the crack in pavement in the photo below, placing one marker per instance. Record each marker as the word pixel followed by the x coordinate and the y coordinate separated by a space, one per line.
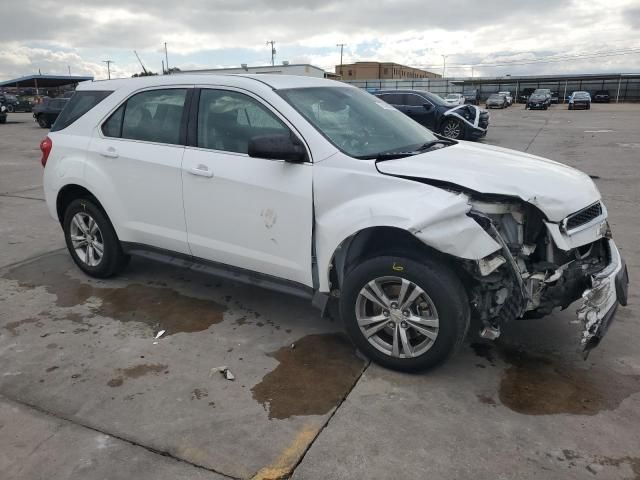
pixel 117 437
pixel 8 195
pixel 546 122
pixel 306 450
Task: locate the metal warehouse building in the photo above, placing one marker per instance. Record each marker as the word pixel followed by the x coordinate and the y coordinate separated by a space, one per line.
pixel 622 87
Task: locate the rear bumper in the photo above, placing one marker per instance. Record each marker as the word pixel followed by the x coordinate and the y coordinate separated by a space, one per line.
pixel 609 288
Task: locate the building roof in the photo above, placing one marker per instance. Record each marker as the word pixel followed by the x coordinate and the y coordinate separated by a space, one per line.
pixel 44 81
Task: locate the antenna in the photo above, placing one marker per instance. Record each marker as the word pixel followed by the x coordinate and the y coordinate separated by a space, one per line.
pixel 273 51
pixel 141 64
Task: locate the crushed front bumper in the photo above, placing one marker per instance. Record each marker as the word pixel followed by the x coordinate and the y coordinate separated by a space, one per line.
pixel 609 287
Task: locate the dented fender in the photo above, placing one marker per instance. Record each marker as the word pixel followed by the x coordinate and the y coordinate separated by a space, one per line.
pixel 351 195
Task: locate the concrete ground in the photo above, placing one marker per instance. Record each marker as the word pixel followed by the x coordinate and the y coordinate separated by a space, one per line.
pixel 86 392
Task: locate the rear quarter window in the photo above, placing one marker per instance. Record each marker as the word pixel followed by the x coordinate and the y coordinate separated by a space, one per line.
pixel 79 104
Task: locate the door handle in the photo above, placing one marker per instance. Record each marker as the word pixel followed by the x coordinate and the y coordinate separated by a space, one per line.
pixel 109 152
pixel 201 170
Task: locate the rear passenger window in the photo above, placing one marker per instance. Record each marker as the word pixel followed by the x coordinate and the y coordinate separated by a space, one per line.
pixel 153 116
pixel 80 103
pixel 228 120
pixel 392 98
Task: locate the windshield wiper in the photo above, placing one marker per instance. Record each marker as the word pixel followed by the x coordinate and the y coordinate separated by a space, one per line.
pixel 432 143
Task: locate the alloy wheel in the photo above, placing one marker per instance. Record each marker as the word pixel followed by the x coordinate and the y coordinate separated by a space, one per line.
pixel 397 317
pixel 87 239
pixel 452 129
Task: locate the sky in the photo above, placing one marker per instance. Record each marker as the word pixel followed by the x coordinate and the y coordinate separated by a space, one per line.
pixel 57 37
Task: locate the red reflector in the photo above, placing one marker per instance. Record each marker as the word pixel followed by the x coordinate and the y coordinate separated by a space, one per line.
pixel 45 147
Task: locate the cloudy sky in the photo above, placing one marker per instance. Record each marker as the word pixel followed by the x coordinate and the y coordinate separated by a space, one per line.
pixel 57 36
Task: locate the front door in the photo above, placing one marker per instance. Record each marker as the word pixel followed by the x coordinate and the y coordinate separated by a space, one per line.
pixel 420 109
pixel 251 213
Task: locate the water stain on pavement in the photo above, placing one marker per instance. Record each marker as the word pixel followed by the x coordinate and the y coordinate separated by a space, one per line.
pixel 537 384
pixel 135 371
pixel 311 378
pixel 158 307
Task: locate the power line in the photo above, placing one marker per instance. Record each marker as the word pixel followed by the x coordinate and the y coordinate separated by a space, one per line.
pixel 550 59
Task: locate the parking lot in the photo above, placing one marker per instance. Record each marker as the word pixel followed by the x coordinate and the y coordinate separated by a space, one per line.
pixel 86 391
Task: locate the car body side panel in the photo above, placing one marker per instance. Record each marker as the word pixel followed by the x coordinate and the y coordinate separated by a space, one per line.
pixel 350 195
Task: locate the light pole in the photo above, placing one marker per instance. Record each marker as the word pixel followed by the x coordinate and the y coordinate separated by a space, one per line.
pixel 341 45
pixel 166 57
pixel 273 51
pixel 108 62
pixel 444 64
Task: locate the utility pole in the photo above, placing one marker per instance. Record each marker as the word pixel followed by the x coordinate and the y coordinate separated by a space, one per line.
pixel 163 71
pixel 69 69
pixel 141 64
pixel 444 64
pixel 108 62
pixel 273 51
pixel 341 45
pixel 166 57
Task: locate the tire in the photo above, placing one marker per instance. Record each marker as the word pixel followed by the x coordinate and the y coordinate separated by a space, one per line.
pixel 3 120
pixel 452 128
pixel 10 108
pixel 546 107
pixel 84 215
pixel 43 122
pixel 570 107
pixel 588 107
pixel 440 294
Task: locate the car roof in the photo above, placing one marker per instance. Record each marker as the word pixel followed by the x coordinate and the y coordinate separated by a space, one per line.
pixel 274 81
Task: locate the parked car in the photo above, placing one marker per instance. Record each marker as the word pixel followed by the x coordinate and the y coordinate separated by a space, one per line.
pixel 454 99
pixel 524 94
pixel 602 96
pixel 496 100
pixel 434 113
pixel 508 96
pixel 3 114
pixel 538 101
pixel 471 96
pixel 319 189
pixel 555 97
pixel 580 100
pixel 47 112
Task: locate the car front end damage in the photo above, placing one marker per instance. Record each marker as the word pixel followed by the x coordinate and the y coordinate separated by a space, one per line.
pixel 542 265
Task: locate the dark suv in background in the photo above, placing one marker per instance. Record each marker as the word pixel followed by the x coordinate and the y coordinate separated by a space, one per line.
pixel 601 96
pixel 524 94
pixel 47 112
pixel 471 96
pixel 431 111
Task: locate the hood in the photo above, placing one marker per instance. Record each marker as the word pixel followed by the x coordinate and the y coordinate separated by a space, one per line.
pixel 557 190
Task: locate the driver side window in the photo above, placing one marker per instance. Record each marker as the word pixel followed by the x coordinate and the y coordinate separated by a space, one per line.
pixel 228 120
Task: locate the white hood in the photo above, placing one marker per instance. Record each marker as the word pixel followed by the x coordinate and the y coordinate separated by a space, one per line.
pixel 554 188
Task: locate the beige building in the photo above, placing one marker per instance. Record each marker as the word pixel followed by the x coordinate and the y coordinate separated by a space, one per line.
pixel 381 71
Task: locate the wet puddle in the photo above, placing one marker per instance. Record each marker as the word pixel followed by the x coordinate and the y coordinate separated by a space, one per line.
pixel 158 307
pixel 536 384
pixel 311 378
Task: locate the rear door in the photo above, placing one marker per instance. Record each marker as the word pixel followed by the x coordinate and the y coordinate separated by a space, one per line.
pixel 135 157
pixel 251 213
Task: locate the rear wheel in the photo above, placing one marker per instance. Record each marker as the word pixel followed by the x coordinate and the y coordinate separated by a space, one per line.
pixel 43 122
pixel 10 108
pixel 91 240
pixel 453 128
pixel 403 314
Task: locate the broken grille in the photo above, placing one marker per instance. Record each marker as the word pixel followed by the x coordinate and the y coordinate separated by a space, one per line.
pixel 583 216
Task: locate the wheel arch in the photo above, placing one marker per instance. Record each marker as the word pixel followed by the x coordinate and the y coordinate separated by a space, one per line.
pixel 71 192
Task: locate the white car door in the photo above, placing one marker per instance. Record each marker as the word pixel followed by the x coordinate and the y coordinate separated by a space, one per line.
pixel 135 158
pixel 251 213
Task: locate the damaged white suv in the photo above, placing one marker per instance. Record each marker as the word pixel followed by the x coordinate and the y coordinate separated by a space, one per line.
pixel 318 189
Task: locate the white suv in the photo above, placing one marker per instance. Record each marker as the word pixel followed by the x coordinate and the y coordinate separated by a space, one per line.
pixel 319 189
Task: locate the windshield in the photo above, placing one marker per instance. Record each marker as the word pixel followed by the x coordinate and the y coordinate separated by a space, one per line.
pixel 356 122
pixel 580 95
pixel 495 96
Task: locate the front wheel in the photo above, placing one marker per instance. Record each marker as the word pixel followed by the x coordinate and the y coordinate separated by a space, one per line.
pixel 10 108
pixel 404 314
pixel 453 128
pixel 91 239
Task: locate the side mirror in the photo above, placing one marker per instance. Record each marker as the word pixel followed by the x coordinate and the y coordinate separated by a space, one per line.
pixel 427 106
pixel 277 147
